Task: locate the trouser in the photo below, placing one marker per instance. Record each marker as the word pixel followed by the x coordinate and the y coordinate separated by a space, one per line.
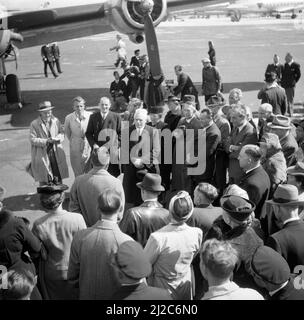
pixel 290 92
pixel 57 62
pixel 50 64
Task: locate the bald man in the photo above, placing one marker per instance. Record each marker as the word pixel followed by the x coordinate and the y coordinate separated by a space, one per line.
pixel 98 131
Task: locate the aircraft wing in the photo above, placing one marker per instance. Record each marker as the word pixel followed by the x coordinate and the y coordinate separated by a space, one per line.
pixel 82 18
pixel 290 8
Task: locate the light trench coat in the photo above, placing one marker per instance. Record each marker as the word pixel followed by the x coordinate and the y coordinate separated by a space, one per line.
pixel 79 147
pixel 40 167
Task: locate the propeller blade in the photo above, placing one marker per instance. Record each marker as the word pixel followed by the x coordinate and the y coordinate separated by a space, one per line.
pixel 152 47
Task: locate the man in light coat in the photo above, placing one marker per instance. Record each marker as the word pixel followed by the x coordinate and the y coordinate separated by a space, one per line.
pixel 88 187
pixel 48 161
pixel 90 271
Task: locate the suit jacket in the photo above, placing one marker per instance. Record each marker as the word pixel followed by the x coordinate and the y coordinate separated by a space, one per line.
pixel 15 240
pixel 86 190
pixel 278 69
pixel 135 62
pixel 140 222
pixel 246 136
pixel 289 147
pixel 224 126
pixel 115 87
pixel 46 53
pixel 185 86
pixel 276 96
pixel 289 292
pixel 257 185
pixel 213 138
pixel 204 216
pixel 291 74
pixel 147 146
pixel 97 123
pixel 90 271
pixel 289 243
pixel 55 51
pixel 141 292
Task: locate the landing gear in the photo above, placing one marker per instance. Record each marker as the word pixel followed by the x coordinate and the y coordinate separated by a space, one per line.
pixel 278 16
pixel 13 92
pixel 293 16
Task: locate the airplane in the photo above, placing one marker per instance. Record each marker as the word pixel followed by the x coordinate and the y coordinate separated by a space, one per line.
pixel 26 23
pixel 236 9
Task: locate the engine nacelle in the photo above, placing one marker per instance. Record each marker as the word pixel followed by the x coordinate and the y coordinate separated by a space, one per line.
pixel 127 16
pixel 6 37
pixel 136 38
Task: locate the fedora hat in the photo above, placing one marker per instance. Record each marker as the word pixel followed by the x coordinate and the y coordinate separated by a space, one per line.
pixel 172 97
pixel 237 207
pixel 188 98
pixel 45 106
pixel 286 195
pixel 206 60
pixel 151 182
pixel 297 170
pixel 280 122
pixel 156 109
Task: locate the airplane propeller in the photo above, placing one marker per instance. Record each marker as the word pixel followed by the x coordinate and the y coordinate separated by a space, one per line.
pixel 146 7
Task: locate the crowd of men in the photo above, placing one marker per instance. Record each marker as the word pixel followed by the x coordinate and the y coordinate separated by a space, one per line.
pixel 187 203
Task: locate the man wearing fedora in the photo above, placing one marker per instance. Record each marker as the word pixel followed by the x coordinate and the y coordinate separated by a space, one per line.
pixel 48 160
pixel 288 241
pixel 211 79
pixel 184 85
pixel 140 222
pixel 255 180
pixel 281 126
pixel 274 94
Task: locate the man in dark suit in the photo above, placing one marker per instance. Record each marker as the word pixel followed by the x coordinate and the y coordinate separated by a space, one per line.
pixel 274 94
pixel 140 222
pixel 255 180
pixel 275 67
pixel 185 85
pixel 47 58
pixel 104 127
pixel 132 74
pixel 211 80
pixel 291 74
pixel 182 162
pixel 281 126
pixel 222 160
pixel 140 156
pixel 56 55
pixel 289 240
pixel 135 59
pixel 117 86
pixel 243 133
pixel 213 138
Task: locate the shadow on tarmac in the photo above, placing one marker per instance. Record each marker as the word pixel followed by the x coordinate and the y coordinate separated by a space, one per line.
pixel 62 100
pixel 27 203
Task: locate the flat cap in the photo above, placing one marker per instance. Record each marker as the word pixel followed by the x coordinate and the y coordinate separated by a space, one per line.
pixel 132 260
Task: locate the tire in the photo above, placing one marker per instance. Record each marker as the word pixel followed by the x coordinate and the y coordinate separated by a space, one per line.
pixel 13 92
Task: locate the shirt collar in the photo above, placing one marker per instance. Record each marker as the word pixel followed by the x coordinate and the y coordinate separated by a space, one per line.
pixel 252 168
pixel 221 290
pixel 271 293
pixel 242 126
pixel 210 124
pixel 104 115
pixel 291 219
pixel 151 200
pixel 189 120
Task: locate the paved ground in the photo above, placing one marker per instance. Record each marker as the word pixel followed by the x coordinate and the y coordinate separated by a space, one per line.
pixel 243 51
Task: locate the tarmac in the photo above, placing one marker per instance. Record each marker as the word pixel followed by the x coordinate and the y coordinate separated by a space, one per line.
pixel 243 51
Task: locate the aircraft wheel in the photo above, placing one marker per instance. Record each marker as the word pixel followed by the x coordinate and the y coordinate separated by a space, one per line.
pixel 13 92
pixel 278 16
pixel 293 16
